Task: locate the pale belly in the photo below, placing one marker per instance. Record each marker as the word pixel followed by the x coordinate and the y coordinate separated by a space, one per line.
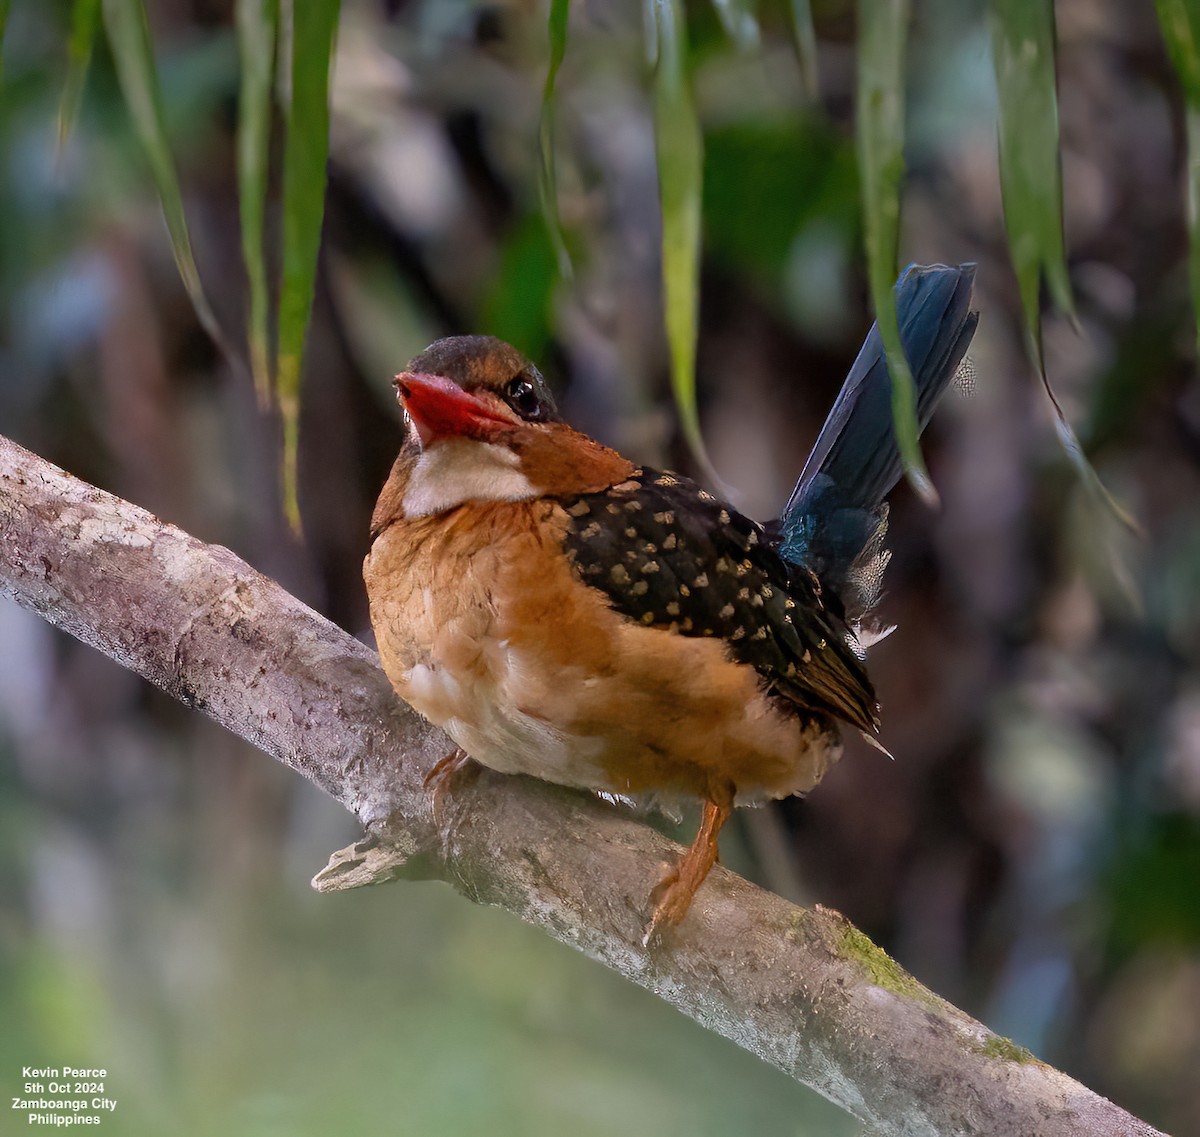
pixel 501 735
pixel 531 672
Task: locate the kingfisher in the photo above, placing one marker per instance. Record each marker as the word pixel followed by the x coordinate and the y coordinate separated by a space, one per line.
pixel 563 612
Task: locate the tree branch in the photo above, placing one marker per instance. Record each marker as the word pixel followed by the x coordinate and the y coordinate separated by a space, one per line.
pixel 802 989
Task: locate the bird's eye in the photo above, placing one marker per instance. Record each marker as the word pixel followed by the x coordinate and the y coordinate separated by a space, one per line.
pixel 522 396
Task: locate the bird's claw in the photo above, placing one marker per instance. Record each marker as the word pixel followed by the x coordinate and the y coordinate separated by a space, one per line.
pixel 440 777
pixel 671 898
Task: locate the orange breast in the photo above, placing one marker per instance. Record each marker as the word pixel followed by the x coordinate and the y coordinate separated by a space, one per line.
pixel 483 627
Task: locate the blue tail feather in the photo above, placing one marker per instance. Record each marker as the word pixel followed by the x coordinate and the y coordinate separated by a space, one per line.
pixel 835 516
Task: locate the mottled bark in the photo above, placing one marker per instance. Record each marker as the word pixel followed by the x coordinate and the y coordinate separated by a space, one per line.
pixel 802 989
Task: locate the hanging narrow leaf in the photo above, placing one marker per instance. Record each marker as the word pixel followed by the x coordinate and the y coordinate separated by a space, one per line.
pixel 129 41
pixel 85 21
pixel 649 30
pixel 4 4
pixel 1180 22
pixel 1030 171
pixel 680 152
pixel 1193 200
pixel 739 18
pixel 256 24
pixel 806 46
pixel 882 29
pixel 548 180
pixel 306 152
pixel 1031 189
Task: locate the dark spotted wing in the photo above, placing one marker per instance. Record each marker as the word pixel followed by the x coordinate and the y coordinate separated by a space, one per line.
pixel 670 555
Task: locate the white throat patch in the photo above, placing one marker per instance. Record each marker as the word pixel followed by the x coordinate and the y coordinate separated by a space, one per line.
pixel 455 470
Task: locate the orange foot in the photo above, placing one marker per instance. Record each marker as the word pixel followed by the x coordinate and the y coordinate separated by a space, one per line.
pixel 672 896
pixel 443 775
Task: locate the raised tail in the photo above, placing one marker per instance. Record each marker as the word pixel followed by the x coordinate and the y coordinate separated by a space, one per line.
pixel 835 519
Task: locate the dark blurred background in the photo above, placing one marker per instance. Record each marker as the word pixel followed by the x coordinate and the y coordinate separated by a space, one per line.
pixel 1033 854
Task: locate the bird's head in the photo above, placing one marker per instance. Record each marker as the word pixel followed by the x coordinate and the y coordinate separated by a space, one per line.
pixel 483 426
pixel 472 388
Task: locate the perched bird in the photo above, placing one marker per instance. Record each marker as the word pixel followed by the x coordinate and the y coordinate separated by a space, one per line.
pixel 562 612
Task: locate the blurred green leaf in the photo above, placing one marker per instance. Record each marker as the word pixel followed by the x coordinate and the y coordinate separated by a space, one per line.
pixel 306 152
pixel 4 6
pixel 548 180
pixel 764 181
pixel 806 46
pixel 739 18
pixel 882 30
pixel 1180 22
pixel 1193 203
pixel 1030 171
pixel 1031 187
pixel 256 24
pixel 85 21
pixel 1143 364
pixel 517 307
pixel 680 151
pixel 650 31
pixel 1153 896
pixel 129 40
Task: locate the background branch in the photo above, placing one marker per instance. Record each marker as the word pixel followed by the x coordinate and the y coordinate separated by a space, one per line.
pixel 803 989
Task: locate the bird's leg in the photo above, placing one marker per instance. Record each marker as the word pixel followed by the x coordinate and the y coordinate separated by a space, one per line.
pixel 440 777
pixel 672 896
